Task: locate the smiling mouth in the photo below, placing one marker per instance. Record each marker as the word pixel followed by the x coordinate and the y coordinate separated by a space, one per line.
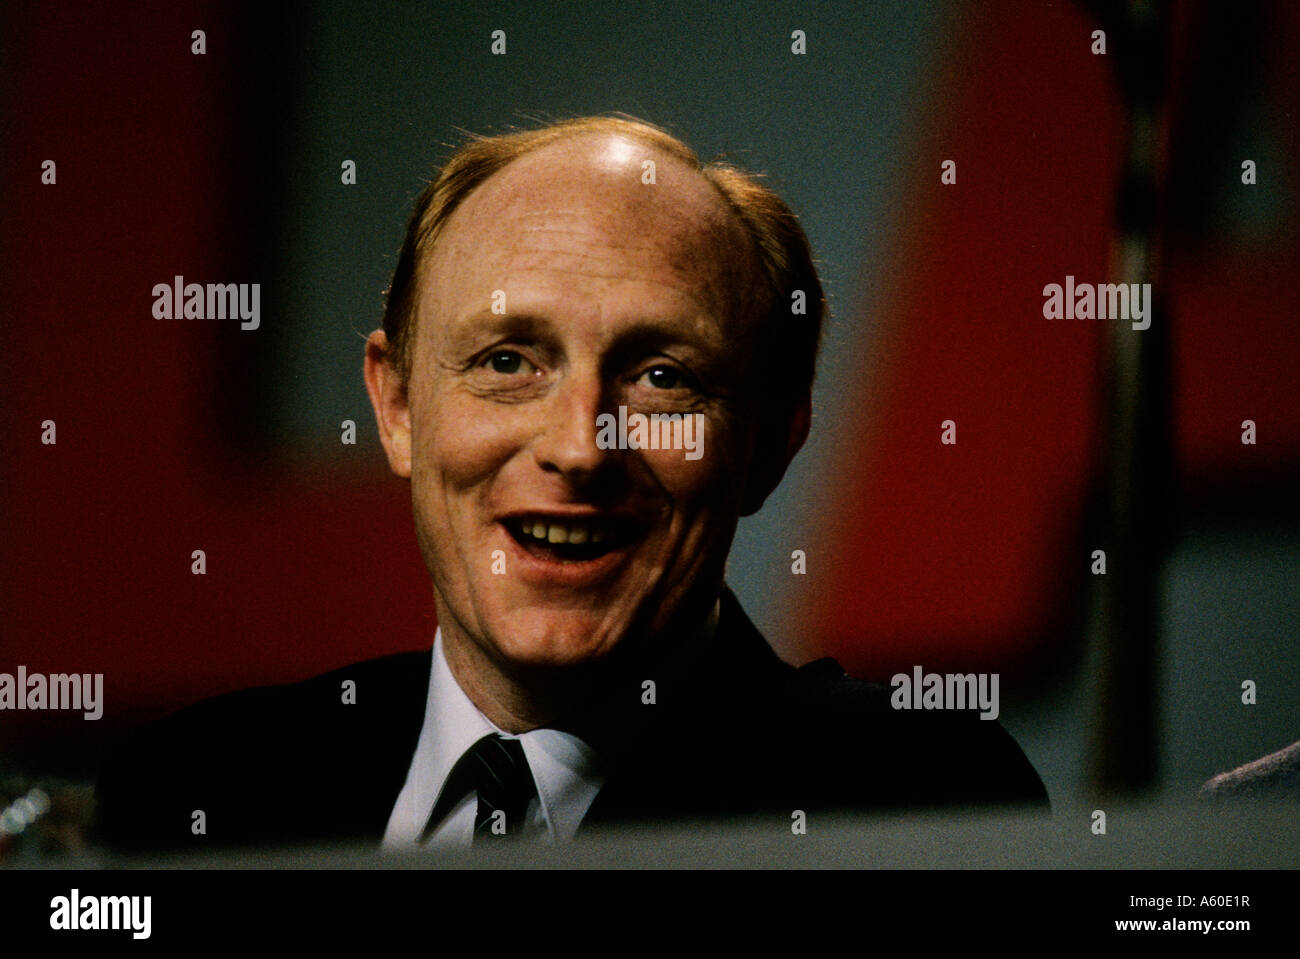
pixel 570 540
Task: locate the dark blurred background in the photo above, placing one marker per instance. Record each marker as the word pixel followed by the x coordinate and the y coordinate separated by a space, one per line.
pixel 226 167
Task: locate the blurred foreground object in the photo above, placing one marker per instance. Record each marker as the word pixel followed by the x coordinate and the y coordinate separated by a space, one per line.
pixel 1275 776
pixel 41 820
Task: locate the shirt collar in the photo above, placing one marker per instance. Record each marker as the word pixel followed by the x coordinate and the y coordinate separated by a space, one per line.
pixel 564 767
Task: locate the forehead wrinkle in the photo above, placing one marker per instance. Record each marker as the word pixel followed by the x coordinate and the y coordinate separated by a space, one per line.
pixel 703 279
pixel 671 239
pixel 534 244
pixel 602 262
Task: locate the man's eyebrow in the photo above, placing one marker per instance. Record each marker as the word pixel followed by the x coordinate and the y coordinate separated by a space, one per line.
pixel 649 335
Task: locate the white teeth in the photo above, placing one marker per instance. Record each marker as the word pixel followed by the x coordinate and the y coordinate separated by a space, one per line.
pixel 576 533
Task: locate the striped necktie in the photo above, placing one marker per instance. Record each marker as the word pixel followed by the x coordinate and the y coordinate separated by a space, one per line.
pixel 504 784
pixel 497 771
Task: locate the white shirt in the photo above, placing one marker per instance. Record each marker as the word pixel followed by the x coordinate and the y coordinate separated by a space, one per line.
pixel 563 766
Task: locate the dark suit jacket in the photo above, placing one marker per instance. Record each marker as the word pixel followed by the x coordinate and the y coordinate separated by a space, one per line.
pixel 742 734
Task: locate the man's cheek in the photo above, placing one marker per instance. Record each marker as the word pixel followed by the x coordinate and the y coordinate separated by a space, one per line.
pixel 695 479
pixel 468 447
pixel 700 492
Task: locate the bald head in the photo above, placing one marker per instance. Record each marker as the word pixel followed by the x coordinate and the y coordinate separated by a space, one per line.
pixel 760 255
pixel 598 205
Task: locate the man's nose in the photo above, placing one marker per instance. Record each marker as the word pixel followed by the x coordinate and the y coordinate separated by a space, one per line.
pixel 566 443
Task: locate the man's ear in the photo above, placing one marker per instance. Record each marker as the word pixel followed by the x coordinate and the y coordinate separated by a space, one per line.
pixel 773 454
pixel 388 397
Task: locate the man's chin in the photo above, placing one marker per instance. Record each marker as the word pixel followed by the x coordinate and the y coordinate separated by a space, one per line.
pixel 541 639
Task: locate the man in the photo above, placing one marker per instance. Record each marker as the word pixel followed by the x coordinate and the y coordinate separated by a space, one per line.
pixel 597 354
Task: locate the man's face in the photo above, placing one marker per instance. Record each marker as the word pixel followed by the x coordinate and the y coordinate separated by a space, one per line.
pixel 563 288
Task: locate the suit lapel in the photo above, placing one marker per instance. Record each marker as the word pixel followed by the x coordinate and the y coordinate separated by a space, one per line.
pixel 694 755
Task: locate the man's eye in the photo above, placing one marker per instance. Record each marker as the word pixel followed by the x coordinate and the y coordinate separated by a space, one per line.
pixel 664 377
pixel 506 362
